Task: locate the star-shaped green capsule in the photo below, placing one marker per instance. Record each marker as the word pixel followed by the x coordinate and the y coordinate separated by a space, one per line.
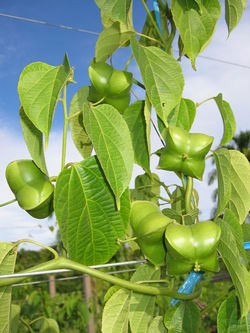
pixel 185 152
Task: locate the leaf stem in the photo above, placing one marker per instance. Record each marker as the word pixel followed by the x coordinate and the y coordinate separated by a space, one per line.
pixel 64 263
pixel 158 133
pixel 65 127
pixel 128 62
pixel 150 38
pixel 217 300
pixel 31 241
pixel 74 115
pixel 204 101
pixel 154 24
pixel 164 199
pixel 7 202
pixel 188 194
pixel 139 84
pixel 26 324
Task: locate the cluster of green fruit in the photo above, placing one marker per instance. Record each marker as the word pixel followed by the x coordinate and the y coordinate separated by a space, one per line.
pixel 185 247
pixel 188 246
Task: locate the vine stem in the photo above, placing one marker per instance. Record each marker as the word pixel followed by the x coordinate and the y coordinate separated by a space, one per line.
pixel 217 300
pixel 65 127
pixel 31 241
pixel 154 23
pixel 202 102
pixel 139 84
pixel 26 324
pixel 128 62
pixel 64 263
pixel 188 194
pixel 149 38
pixel 7 202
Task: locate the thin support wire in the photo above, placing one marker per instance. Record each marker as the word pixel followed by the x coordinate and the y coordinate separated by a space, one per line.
pixel 75 29
pixel 60 271
pixel 70 278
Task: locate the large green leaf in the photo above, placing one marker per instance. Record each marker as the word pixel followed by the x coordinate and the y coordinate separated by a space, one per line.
pixel 49 326
pixel 86 213
pixel 196 24
pixel 162 76
pixel 223 170
pixel 111 139
pixel 110 39
pixel 134 117
pixel 237 232
pixel 185 319
pixel 147 187
pixel 228 319
pixel 227 117
pixel 116 312
pixel 14 320
pixel 77 128
pixel 117 10
pixel 142 306
pixel 149 30
pixel 240 276
pixel 157 326
pixel 239 202
pixel 183 114
pixel 39 88
pixel 8 252
pixel 34 141
pixel 147 116
pixel 233 12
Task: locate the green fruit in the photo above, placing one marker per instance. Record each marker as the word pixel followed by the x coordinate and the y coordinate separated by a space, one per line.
pixel 111 85
pixel 31 187
pixel 149 225
pixel 192 247
pixel 185 152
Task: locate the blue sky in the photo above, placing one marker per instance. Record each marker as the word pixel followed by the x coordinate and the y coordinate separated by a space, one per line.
pixel 22 43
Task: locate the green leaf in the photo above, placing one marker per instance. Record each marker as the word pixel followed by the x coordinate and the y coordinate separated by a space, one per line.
pixel 49 326
pixel 111 139
pixel 39 88
pixel 142 306
pixel 111 292
pixel 117 10
pixel 147 116
pixel 228 119
pixel 14 318
pixel 236 230
pixel 109 40
pixel 233 12
pixel 147 187
pixel 157 326
pixel 149 30
pixel 162 76
pixel 134 117
pixel 239 202
pixel 196 24
pixel 185 319
pixel 240 276
pixel 90 225
pixel 228 320
pixel 34 141
pixel 223 170
pixel 116 312
pixel 8 253
pixel 183 114
pixel 77 128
